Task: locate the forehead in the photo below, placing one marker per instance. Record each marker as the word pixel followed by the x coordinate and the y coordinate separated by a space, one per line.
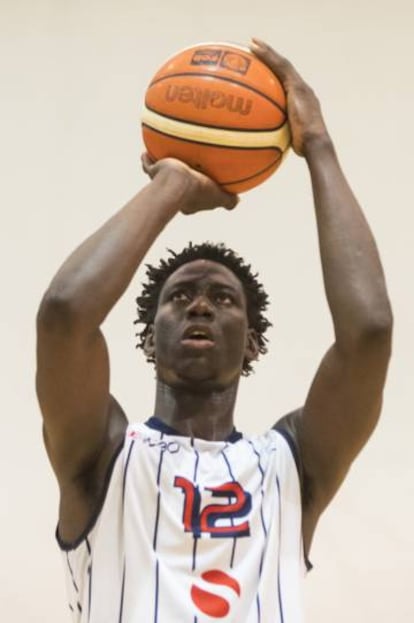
pixel 204 271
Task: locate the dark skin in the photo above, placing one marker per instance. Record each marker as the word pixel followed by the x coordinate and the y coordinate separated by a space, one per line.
pixel 197 379
pixel 84 424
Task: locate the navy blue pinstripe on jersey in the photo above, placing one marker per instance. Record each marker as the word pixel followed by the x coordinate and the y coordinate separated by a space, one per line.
pixel 71 573
pixel 157 514
pixel 124 477
pixel 157 588
pixel 121 607
pixel 223 452
pixel 259 613
pixel 279 591
pixel 197 460
pixel 233 553
pixel 154 543
pixel 259 465
pixel 88 546
pixel 157 518
pixel 195 537
pixel 233 550
pixel 125 471
pixel 261 489
pixel 75 586
pixel 195 541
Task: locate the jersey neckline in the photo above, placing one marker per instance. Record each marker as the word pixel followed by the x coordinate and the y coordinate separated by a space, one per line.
pixel 157 424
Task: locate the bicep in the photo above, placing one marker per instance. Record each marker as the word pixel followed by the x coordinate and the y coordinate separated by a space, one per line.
pixel 340 413
pixel 72 383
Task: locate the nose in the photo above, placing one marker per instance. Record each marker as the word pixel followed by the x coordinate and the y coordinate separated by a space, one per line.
pixel 200 306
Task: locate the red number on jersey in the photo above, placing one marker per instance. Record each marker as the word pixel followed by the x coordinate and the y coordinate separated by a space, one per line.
pixel 207 520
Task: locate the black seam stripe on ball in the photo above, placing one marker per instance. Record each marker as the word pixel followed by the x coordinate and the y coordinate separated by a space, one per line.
pixel 215 127
pixel 250 177
pixel 224 79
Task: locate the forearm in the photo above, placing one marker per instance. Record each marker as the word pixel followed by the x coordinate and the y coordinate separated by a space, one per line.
pixel 97 273
pixel 353 275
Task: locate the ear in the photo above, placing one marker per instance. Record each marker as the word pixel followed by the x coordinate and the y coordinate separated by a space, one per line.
pixel 252 345
pixel 149 344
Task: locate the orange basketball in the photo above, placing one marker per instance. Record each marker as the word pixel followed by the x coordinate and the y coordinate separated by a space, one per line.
pixel 218 108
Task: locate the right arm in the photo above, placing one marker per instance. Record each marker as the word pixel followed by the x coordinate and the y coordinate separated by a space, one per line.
pixel 82 422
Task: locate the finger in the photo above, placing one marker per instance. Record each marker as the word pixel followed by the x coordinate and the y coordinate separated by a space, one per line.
pixel 277 63
pixel 269 55
pixel 147 159
pixel 259 42
pixel 264 48
pixel 144 162
pixel 147 163
pixel 230 201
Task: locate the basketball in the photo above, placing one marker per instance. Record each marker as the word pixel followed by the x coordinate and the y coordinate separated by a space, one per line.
pixel 221 110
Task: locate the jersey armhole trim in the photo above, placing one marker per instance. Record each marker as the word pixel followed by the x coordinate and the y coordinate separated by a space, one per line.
pixel 290 442
pixel 293 448
pixel 67 546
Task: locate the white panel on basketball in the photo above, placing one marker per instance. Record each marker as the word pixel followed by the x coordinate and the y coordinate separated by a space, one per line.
pixel 279 138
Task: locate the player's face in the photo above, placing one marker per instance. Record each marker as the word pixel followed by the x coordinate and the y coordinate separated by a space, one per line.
pixel 201 334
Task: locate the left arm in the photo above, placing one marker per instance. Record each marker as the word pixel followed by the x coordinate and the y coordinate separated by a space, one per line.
pixel 344 401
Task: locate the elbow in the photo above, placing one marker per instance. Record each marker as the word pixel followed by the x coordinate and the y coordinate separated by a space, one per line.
pixel 368 332
pixel 380 322
pixel 377 329
pixel 56 312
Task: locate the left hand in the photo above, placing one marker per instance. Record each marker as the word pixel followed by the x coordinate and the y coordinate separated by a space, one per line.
pixel 196 191
pixel 303 108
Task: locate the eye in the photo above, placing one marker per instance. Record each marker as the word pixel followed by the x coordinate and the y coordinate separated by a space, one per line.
pixel 180 296
pixel 224 298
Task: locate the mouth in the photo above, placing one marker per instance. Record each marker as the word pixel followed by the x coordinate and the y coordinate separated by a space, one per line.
pixel 196 337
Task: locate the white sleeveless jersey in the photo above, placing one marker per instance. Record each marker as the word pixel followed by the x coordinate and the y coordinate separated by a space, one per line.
pixel 193 531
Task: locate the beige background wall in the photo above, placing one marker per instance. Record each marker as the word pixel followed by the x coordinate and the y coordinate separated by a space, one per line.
pixel 73 78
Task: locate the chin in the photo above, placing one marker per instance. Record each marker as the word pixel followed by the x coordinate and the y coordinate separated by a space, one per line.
pixel 196 379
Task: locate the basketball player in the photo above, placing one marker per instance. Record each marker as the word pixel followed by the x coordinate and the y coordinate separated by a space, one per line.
pixel 182 518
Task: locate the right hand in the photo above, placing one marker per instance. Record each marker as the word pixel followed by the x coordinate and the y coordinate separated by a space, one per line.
pixel 198 191
pixel 304 112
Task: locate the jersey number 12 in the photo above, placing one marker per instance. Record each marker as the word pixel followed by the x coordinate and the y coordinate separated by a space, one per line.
pixel 218 520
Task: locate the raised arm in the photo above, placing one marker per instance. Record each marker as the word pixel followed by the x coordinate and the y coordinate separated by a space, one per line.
pixel 82 422
pixel 344 401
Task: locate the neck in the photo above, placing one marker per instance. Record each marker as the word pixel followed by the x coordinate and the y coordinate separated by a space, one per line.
pixel 206 415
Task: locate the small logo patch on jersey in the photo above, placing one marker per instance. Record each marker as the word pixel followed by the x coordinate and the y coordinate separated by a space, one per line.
pixel 209 603
pixel 134 434
pixel 165 446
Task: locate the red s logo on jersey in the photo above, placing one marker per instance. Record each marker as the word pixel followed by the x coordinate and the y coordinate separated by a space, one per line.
pixel 205 521
pixel 210 603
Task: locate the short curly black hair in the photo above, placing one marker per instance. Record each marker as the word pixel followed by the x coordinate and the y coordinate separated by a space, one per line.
pixel 256 297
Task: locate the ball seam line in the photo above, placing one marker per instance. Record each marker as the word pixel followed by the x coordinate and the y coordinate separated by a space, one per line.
pixel 279 138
